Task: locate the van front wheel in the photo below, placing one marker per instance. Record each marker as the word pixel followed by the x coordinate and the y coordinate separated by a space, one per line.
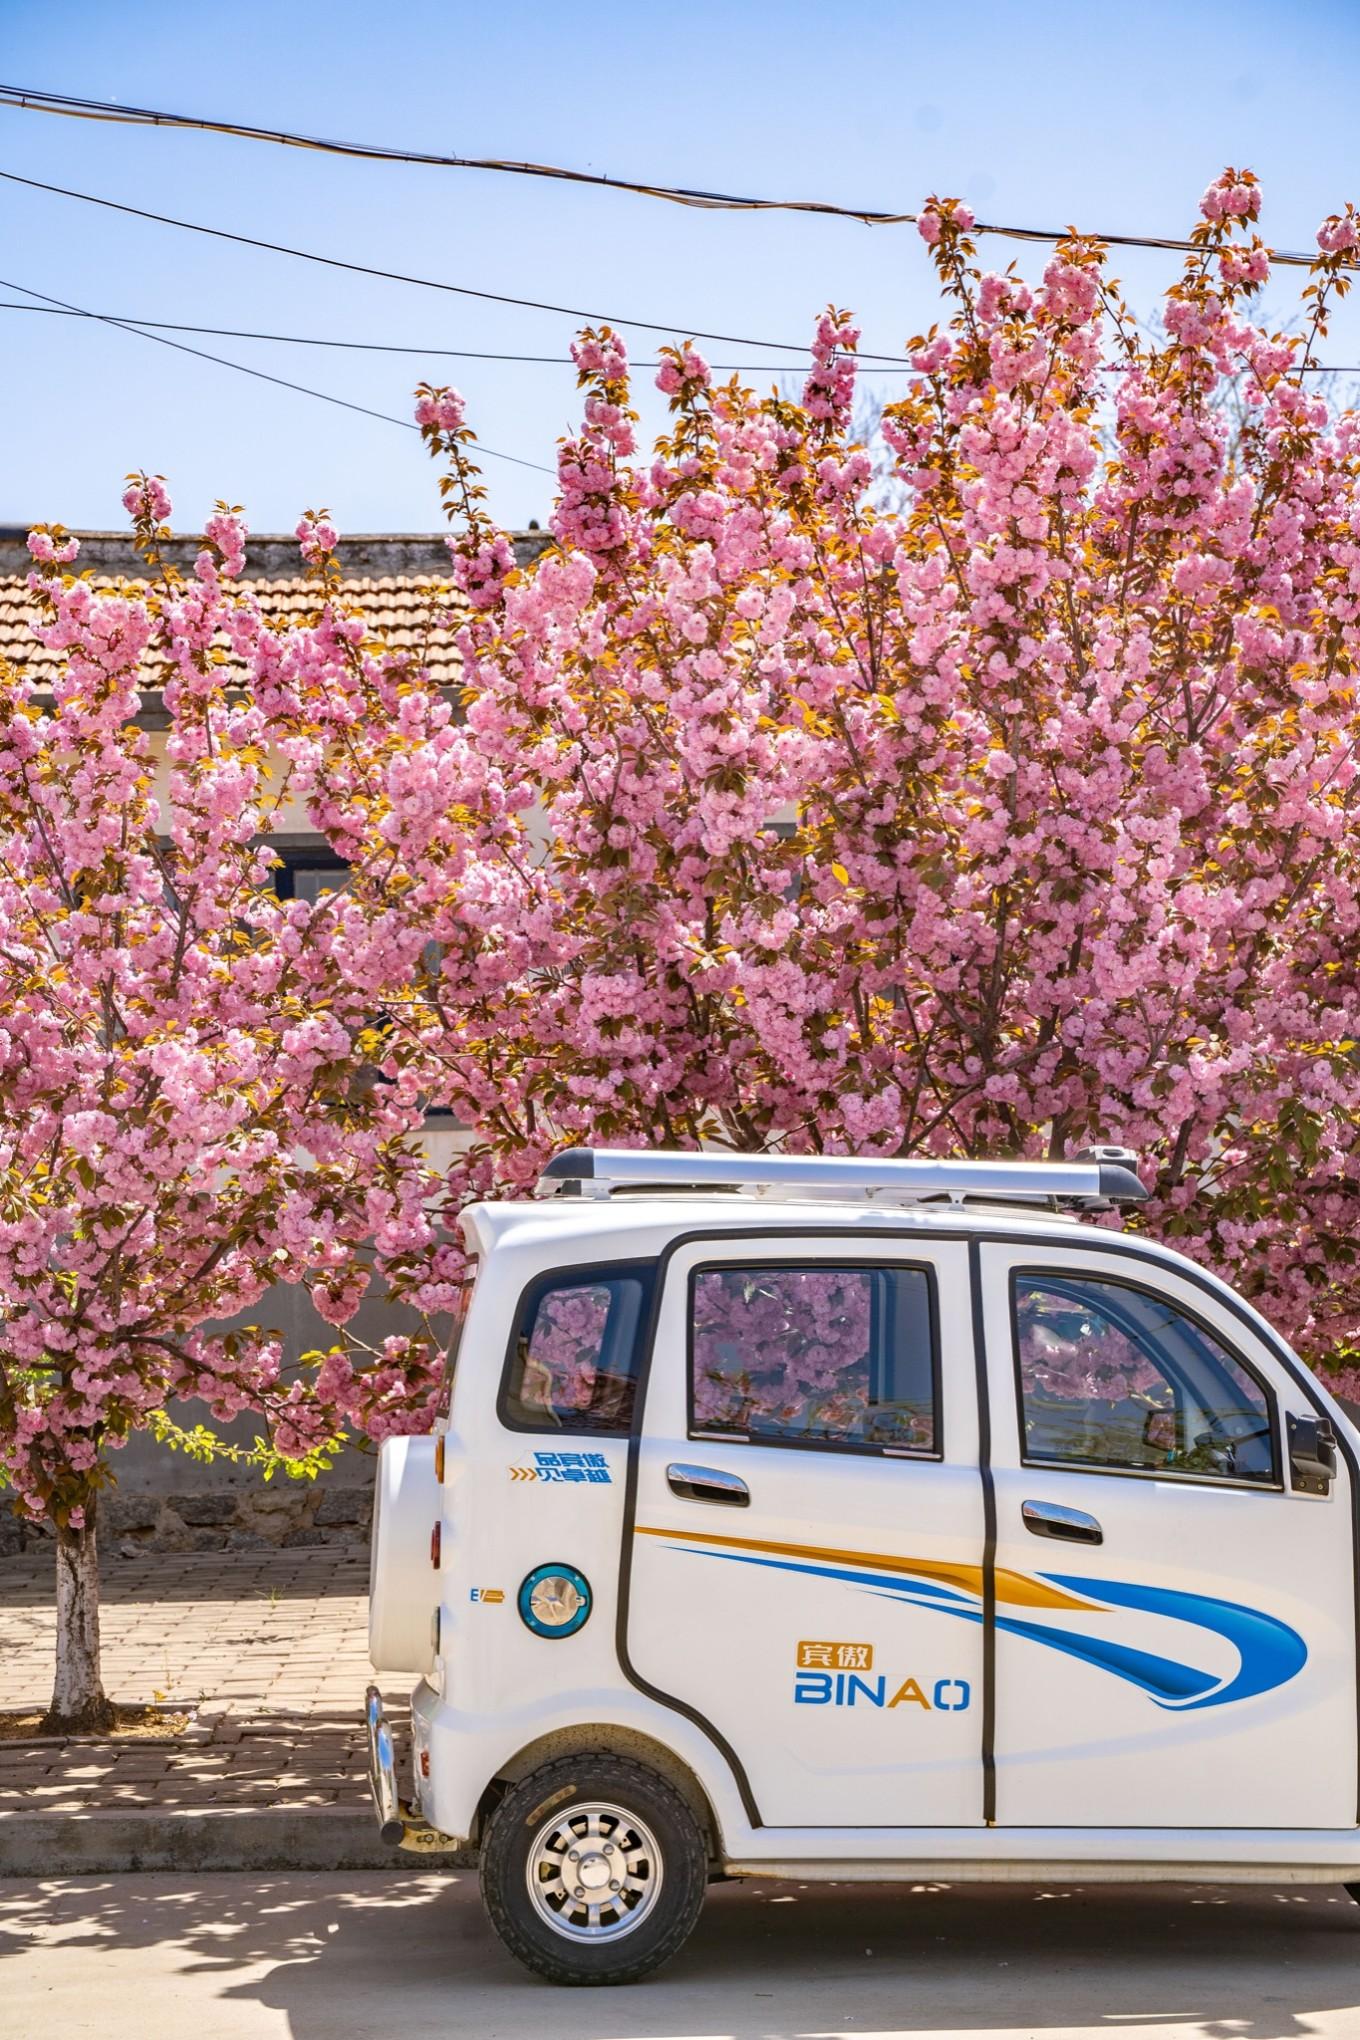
pixel 593 1870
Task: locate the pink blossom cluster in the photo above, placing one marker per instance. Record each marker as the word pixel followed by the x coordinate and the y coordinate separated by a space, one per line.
pixel 226 532
pixel 1339 234
pixel 316 536
pixel 146 497
pixel 940 216
pixel 679 366
pixel 1235 195
pixel 444 409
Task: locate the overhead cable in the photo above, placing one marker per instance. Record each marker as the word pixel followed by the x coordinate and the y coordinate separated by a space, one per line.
pixel 139 116
pixel 397 347
pixel 56 311
pixel 260 375
pixel 75 107
pixel 422 282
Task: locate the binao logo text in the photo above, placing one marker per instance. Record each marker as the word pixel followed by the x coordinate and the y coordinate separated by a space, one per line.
pixel 842 1675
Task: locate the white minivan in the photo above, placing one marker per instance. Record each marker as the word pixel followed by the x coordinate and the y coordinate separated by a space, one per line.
pixel 827 1517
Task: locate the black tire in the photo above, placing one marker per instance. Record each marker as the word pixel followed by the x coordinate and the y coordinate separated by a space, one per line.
pixel 531 1819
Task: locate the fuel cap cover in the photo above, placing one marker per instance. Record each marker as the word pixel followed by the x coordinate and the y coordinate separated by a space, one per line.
pixel 555 1600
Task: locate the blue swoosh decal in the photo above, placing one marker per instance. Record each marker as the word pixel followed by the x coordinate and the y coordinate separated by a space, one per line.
pixel 1169 1683
pixel 1269 1652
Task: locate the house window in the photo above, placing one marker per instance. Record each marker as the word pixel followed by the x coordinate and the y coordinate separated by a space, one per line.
pixel 310 872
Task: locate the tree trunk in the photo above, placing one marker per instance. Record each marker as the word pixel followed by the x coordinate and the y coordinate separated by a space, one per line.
pixel 78 1698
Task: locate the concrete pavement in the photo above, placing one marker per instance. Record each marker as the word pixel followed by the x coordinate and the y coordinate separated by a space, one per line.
pixel 308 1956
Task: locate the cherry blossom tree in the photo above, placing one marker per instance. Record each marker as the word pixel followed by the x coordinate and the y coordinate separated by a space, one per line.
pixel 187 1105
pixel 1014 815
pixel 1001 809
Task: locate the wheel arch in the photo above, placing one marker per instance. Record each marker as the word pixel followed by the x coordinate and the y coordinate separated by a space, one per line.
pixel 613 1739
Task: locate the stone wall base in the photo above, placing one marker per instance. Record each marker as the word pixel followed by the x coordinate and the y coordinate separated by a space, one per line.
pixel 284 1514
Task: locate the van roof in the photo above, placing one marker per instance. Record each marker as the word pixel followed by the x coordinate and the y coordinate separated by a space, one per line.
pixel 546 1233
pixel 582 1228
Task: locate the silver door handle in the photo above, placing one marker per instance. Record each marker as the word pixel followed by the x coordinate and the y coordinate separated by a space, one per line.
pixel 708 1484
pixel 1051 1519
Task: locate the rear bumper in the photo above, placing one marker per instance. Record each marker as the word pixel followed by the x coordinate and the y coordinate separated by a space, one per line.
pixel 382 1770
pixel 397 1823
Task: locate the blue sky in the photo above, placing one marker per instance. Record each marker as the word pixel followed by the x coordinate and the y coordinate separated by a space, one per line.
pixel 1112 118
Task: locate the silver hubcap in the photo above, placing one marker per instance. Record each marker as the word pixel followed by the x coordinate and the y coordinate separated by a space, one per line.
pixel 594 1872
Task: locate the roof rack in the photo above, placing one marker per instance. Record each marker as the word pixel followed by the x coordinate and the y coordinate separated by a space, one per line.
pixel 1096 1179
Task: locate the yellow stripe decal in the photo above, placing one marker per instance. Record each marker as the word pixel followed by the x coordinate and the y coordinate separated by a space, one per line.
pixel 1017 1589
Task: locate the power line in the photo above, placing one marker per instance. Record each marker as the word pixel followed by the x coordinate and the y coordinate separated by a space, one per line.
pixel 72 106
pixel 424 282
pixel 56 311
pixel 392 346
pixel 302 389
pixel 135 116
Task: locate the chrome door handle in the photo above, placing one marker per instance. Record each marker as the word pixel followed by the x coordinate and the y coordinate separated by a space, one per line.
pixel 1050 1519
pixel 708 1484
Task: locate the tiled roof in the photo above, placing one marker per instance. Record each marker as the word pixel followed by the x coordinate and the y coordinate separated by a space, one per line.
pixel 393 578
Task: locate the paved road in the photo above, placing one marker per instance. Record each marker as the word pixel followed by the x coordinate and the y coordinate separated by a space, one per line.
pixel 396 1957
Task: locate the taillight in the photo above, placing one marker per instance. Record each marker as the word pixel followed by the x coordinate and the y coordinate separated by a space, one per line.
pixel 436 1544
pixel 439 1458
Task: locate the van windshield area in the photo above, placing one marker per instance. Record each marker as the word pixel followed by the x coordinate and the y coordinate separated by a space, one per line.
pixel 1116 1376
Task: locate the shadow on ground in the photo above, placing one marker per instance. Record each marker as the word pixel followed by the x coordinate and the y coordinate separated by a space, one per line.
pixel 371 1955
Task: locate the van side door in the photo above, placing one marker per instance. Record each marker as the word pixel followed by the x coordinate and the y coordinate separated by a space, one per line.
pixel 804 1574
pixel 1175 1610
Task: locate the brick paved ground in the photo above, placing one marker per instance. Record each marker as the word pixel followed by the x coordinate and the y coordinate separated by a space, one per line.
pixel 280 1637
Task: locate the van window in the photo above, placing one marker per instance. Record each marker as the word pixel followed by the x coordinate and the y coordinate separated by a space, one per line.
pixel 573 1357
pixel 1115 1376
pixel 828 1356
